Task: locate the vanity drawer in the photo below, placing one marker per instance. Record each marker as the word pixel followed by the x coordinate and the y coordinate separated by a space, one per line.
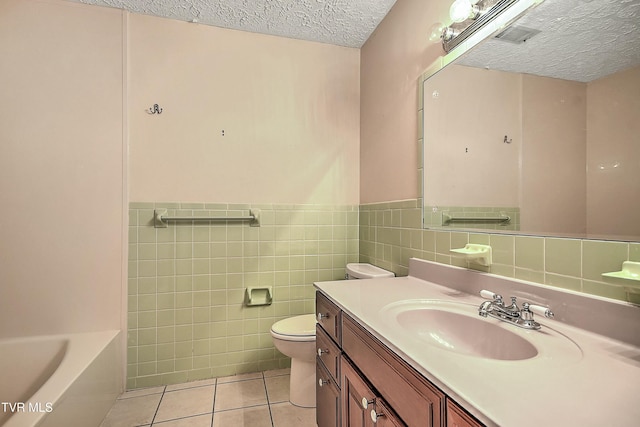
pixel 413 398
pixel 328 353
pixel 328 316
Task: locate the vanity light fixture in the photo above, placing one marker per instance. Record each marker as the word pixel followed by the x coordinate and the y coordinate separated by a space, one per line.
pixel 461 10
pixel 467 17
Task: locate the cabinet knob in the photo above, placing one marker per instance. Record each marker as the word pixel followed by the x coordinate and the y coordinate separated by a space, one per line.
pixel 375 415
pixel 366 403
pixel 321 352
pixel 321 316
pixel 322 382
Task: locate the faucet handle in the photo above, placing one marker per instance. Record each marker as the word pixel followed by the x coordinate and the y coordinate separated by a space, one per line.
pixel 490 295
pixel 538 309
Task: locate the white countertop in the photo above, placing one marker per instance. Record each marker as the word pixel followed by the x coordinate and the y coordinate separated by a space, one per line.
pixel 592 381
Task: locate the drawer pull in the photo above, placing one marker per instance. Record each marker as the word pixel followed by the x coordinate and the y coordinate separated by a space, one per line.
pixel 321 316
pixel 322 382
pixel 321 352
pixel 365 402
pixel 375 415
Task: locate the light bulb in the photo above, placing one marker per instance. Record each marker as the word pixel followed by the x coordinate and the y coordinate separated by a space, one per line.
pixel 461 10
pixel 435 32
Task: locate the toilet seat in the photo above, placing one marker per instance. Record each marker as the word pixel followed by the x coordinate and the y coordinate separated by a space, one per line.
pixel 297 328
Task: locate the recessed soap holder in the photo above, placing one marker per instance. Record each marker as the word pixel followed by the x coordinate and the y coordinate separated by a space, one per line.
pixel 475 253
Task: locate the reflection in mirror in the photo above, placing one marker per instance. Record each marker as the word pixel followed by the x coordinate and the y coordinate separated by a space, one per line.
pixel 540 136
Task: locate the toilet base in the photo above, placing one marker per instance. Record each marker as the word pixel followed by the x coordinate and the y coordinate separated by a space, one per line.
pixel 302 383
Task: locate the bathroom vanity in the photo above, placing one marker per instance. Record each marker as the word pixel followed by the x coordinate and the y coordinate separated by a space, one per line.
pixel 414 351
pixel 350 393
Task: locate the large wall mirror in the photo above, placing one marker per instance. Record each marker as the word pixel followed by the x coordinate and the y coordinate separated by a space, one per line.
pixel 536 130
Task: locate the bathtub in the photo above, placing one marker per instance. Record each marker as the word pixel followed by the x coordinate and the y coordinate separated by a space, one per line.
pixel 59 380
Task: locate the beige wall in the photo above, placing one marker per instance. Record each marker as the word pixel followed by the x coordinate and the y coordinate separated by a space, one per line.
pixel 392 60
pixel 553 156
pixel 466 162
pixel 289 110
pixel 613 154
pixel 61 167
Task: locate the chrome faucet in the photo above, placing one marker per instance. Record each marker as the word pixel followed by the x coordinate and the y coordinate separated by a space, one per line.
pixel 521 317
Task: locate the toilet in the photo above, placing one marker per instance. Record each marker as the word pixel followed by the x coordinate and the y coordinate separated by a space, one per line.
pixel 295 337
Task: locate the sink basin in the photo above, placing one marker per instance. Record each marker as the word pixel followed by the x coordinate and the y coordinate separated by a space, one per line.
pixel 456 327
pixel 466 335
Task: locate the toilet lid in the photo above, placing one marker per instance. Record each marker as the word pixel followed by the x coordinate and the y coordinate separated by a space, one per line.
pixel 304 325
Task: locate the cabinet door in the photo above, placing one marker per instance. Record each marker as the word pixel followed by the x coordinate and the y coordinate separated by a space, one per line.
pixel 413 398
pixel 357 398
pixel 327 399
pixel 382 416
pixel 458 417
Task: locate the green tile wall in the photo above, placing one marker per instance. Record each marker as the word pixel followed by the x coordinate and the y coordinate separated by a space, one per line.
pixel 186 318
pixel 391 233
pixel 186 315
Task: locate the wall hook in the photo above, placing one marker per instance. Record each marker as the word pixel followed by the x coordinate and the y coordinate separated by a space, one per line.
pixel 157 110
pixel 507 141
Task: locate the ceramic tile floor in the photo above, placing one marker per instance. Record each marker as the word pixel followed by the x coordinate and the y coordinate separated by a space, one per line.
pixel 256 400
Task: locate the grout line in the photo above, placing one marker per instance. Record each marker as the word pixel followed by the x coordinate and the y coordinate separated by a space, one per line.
pixel 242 408
pixel 159 423
pixel 158 407
pixel 213 406
pixel 189 388
pixel 266 392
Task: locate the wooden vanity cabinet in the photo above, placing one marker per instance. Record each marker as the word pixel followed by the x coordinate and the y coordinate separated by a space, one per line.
pixel 358 374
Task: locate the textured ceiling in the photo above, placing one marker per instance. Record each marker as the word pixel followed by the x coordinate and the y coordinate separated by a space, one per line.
pixel 580 40
pixel 340 22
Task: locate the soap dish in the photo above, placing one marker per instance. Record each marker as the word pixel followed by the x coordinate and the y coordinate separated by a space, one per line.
pixel 472 252
pixel 630 271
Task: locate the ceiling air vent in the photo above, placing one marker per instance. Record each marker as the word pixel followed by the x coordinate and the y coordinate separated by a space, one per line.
pixel 517 34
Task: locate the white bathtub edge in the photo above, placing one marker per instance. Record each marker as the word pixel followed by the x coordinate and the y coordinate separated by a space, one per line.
pixel 83 388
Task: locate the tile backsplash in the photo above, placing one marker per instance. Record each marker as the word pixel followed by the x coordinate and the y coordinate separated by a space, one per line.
pixel 186 317
pixel 391 233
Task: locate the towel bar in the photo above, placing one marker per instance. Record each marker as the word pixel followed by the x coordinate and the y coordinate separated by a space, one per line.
pixel 160 220
pixel 447 219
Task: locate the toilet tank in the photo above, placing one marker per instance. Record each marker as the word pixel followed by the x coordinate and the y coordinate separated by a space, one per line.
pixel 361 270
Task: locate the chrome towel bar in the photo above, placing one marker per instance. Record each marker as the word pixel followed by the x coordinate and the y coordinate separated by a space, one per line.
pixel 447 219
pixel 160 220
